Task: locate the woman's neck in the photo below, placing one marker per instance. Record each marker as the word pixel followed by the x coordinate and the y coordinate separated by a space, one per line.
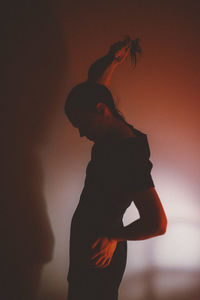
pixel 118 131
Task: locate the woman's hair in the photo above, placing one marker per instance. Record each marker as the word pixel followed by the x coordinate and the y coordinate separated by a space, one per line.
pixel 85 96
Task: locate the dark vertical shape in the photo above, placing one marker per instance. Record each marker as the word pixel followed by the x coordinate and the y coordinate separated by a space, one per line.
pixel 32 55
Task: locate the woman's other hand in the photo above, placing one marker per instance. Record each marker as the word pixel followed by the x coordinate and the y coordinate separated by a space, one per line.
pixel 106 248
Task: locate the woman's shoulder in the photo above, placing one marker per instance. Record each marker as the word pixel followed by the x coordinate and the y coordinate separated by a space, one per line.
pixel 133 146
pixel 132 142
pixel 133 137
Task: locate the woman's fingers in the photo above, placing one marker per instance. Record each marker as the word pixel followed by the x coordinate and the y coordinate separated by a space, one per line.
pixel 105 263
pixel 100 258
pixel 97 254
pixel 95 243
pixel 120 45
pixel 102 261
pixel 121 54
pixel 99 263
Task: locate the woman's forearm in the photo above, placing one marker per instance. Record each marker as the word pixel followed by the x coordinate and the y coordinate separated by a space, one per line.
pixel 101 70
pixel 137 230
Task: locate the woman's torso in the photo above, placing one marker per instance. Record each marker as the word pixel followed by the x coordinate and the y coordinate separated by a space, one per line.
pixel 104 199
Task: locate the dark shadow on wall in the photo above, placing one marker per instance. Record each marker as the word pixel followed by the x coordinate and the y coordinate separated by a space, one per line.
pixel 33 59
pixel 27 239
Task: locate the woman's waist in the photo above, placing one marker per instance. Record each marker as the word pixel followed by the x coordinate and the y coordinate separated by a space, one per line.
pixel 86 231
pixel 91 221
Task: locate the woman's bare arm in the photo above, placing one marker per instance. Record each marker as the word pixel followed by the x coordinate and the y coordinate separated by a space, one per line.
pixel 152 221
pixel 101 70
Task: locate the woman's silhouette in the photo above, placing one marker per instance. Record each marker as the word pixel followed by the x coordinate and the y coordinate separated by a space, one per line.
pixel 117 174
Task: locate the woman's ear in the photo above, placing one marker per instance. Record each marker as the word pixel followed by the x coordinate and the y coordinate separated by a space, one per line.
pixel 101 107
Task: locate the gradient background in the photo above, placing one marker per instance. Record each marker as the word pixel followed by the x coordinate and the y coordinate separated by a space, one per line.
pixel 48 47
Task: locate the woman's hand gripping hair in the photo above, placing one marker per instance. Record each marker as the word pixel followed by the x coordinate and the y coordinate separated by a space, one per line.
pixel 102 69
pixel 122 49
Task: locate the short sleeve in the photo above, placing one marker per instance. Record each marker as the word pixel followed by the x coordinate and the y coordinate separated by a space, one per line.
pixel 128 170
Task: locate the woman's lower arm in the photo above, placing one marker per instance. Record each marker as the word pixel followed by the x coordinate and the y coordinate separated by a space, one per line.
pixel 102 69
pixel 137 230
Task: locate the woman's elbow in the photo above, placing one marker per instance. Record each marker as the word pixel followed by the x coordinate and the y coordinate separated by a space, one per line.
pixel 158 226
pixel 162 228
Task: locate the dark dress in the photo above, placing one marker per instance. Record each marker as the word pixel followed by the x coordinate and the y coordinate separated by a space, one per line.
pixel 116 171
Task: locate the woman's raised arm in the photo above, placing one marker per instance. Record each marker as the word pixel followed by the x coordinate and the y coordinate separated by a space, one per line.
pixel 102 69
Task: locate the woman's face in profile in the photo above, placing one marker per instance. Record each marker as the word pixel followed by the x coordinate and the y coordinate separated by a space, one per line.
pixel 90 124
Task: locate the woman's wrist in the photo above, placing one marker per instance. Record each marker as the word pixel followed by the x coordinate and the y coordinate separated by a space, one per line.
pixel 117 235
pixel 114 60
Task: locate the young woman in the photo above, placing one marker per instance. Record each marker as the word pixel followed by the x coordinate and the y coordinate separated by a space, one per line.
pixel 117 174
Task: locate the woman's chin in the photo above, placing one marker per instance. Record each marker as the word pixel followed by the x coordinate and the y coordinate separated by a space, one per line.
pixel 90 138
